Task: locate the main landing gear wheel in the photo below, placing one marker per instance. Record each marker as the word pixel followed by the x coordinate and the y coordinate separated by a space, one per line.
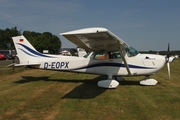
pixel 119 78
pixel 148 81
pixel 109 83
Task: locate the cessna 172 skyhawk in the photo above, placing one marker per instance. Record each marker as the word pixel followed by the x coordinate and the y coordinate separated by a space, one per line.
pixel 110 56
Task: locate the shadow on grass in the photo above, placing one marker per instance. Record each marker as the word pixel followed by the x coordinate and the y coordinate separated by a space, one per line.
pixel 129 82
pixel 27 79
pixel 137 83
pixel 87 90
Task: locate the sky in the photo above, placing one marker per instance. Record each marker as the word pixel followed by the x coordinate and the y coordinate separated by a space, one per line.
pixel 143 24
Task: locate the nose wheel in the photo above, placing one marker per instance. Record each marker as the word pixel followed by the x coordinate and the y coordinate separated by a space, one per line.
pixel 148 81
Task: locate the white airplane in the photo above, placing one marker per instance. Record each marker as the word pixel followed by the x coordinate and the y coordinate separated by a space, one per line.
pixel 110 56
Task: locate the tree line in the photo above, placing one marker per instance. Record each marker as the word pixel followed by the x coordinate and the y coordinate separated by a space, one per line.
pixel 46 41
pixel 173 52
pixel 41 41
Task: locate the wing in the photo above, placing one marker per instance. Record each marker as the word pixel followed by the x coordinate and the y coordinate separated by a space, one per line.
pixel 98 39
pixel 95 39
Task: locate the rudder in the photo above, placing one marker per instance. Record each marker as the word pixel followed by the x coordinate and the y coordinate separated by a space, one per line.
pixel 26 53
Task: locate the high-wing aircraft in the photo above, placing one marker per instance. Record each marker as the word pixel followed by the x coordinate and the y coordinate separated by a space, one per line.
pixel 109 55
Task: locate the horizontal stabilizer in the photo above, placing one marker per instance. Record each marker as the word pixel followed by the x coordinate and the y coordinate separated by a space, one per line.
pixel 11 65
pixel 30 64
pixel 18 65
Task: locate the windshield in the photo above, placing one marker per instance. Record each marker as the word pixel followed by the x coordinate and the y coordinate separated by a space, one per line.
pixel 131 52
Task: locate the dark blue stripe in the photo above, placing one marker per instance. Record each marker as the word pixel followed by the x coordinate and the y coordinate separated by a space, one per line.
pixel 27 53
pixel 111 65
pixel 33 51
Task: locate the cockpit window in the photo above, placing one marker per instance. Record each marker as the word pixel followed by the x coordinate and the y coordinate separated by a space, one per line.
pixel 99 56
pixel 132 52
pixel 113 55
pixel 106 55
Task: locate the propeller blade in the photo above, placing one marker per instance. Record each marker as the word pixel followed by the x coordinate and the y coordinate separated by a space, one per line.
pixel 168 47
pixel 167 59
pixel 168 52
pixel 168 67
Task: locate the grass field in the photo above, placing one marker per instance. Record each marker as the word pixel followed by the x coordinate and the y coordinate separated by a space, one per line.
pixel 48 95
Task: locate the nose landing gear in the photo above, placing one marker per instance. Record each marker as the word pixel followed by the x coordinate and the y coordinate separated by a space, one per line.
pixel 148 81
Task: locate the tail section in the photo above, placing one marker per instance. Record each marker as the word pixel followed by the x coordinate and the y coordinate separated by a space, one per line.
pixel 26 53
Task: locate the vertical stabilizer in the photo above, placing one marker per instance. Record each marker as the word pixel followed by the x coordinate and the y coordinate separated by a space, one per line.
pixel 26 53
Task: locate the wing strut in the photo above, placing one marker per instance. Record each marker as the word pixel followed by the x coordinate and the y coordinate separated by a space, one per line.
pixel 124 60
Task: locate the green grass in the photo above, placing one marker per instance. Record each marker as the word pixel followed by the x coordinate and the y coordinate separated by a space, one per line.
pixel 4 70
pixel 39 94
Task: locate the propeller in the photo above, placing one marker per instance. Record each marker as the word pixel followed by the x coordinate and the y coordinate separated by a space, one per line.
pixel 167 59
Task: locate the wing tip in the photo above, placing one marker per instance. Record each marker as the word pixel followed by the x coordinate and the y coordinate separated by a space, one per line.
pixel 85 31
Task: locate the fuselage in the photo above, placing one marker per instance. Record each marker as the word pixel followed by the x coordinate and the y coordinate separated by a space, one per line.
pixel 140 64
pixel 106 61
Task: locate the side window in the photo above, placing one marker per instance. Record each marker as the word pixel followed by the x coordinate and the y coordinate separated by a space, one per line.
pixel 115 55
pixel 100 56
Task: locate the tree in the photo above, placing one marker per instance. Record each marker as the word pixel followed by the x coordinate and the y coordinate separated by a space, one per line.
pixel 73 51
pixel 41 41
pixel 5 38
pixel 44 41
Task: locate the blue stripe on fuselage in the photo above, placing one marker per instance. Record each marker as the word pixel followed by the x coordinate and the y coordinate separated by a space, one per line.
pixel 111 65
